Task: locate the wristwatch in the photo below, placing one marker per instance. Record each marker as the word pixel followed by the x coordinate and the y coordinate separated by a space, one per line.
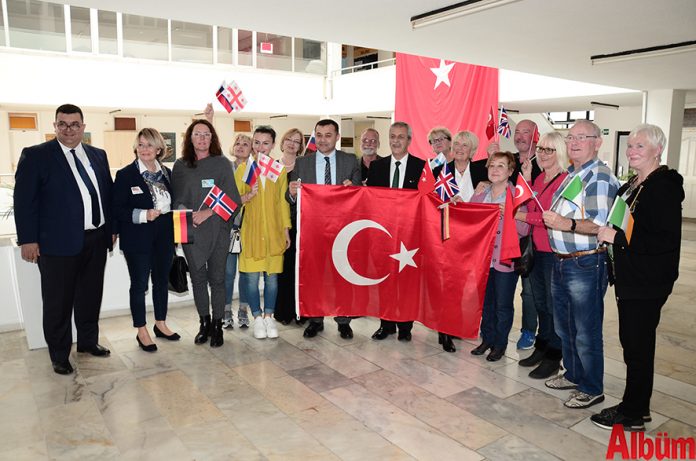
pixel 573 223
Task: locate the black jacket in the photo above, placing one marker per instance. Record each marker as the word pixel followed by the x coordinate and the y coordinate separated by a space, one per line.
pixel 648 267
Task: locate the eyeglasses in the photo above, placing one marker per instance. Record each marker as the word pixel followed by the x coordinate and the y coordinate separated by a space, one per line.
pixel 65 126
pixel 202 134
pixel 579 138
pixel 437 140
pixel 293 141
pixel 545 150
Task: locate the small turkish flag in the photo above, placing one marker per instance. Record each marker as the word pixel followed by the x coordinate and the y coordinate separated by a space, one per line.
pixel 490 127
pixel 522 192
pixel 426 183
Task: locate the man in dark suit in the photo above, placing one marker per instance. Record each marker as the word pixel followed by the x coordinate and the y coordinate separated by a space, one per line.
pixel 62 212
pixel 399 170
pixel 326 166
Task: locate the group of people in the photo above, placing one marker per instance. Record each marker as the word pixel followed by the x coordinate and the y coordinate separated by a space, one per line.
pixel 69 214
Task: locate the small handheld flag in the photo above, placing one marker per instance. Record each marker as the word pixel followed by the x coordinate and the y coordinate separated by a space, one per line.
pixel 490 127
pixel 426 183
pixel 620 216
pixel 522 192
pixel 251 172
pixel 573 191
pixel 504 124
pixel 270 168
pixel 312 143
pixel 440 159
pixel 220 203
pixel 231 97
pixel 183 226
pixel 446 186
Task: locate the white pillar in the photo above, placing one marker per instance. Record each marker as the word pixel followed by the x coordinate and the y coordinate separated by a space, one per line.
pixel 665 108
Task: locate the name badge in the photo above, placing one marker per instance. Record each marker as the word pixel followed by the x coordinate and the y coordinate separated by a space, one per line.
pixel 206 183
pixel 136 190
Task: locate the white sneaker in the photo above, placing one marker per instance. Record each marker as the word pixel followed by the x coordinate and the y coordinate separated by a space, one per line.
pixel 259 328
pixel 271 327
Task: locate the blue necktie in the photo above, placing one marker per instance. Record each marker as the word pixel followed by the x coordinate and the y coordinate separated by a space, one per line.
pixel 96 214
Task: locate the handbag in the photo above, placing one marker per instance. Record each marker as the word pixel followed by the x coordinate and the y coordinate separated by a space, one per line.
pixel 525 263
pixel 178 282
pixel 235 243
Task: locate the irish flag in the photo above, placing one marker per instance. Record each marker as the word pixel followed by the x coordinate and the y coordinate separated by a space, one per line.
pixel 183 226
pixel 573 190
pixel 620 217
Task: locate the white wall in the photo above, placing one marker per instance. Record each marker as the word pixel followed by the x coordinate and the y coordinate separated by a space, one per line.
pixel 623 119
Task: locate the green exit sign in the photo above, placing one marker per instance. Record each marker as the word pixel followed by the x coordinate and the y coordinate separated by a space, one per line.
pixel 605 131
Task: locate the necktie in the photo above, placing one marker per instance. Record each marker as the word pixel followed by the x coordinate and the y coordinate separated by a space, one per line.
pixel 327 171
pixel 96 214
pixel 395 181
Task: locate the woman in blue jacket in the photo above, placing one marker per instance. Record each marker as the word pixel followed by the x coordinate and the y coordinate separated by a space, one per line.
pixel 141 204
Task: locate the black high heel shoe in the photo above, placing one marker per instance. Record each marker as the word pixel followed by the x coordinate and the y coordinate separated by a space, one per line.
pixel 148 348
pixel 159 334
pixel 447 344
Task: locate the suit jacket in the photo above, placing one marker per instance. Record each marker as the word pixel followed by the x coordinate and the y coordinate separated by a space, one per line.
pixel 347 167
pixel 47 201
pixel 138 238
pixel 379 172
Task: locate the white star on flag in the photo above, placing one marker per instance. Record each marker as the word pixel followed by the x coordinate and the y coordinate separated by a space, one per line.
pixel 405 257
pixel 442 73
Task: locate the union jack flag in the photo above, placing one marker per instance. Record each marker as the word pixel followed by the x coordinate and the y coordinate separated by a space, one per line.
pixel 220 203
pixel 446 186
pixel 504 125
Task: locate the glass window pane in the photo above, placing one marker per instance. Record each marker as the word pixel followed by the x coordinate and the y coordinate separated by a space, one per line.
pixel 2 30
pixel 310 56
pixel 79 25
pixel 224 45
pixel 273 51
pixel 107 32
pixel 192 42
pixel 578 115
pixel 36 25
pixel 245 44
pixel 145 37
pixel 558 116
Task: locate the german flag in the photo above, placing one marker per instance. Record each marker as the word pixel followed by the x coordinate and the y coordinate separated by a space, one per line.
pixel 183 226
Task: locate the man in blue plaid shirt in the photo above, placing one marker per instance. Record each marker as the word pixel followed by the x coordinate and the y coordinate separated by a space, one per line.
pixel 579 280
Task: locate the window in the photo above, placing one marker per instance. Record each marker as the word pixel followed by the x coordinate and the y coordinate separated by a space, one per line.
pixel 192 42
pixel 245 46
pixel 80 29
pixel 273 51
pixel 310 56
pixel 107 32
pixel 224 45
pixel 36 25
pixel 145 37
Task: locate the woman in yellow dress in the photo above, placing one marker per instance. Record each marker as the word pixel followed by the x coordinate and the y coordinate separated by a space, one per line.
pixel 265 235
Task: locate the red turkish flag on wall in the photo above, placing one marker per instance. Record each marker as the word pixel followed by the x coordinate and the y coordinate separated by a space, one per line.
pixel 356 260
pixel 432 92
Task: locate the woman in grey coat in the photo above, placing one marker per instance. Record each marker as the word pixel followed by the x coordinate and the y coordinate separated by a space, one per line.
pixel 201 167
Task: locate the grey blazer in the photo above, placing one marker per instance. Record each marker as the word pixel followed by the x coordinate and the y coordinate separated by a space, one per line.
pixel 347 167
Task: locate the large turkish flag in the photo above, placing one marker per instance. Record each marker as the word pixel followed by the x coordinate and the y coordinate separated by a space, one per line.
pixel 372 251
pixel 434 92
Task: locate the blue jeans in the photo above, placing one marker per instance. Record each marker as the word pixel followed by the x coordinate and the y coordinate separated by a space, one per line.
pixel 140 266
pixel 230 274
pixel 250 282
pixel 540 279
pixel 498 308
pixel 578 286
pixel 529 313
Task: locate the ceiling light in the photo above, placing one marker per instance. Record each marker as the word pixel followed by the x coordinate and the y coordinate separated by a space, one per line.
pixel 455 11
pixel 640 53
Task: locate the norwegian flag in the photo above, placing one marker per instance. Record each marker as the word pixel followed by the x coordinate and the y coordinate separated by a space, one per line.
pixel 446 186
pixel 504 124
pixel 220 203
pixel 231 97
pixel 251 172
pixel 312 143
pixel 270 168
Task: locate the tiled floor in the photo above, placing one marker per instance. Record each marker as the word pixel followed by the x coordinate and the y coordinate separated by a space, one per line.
pixel 325 398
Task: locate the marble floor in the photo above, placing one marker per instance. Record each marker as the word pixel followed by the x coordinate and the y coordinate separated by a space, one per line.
pixel 325 398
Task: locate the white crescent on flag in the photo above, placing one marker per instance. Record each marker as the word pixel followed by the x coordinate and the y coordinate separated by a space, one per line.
pixel 519 192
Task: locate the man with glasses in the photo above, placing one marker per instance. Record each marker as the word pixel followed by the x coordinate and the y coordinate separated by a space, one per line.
pixel 440 139
pixel 62 212
pixel 579 280
pixel 369 143
pixel 325 166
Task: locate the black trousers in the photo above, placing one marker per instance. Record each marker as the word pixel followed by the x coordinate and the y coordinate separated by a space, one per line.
pixel 389 325
pixel 638 320
pixel 73 282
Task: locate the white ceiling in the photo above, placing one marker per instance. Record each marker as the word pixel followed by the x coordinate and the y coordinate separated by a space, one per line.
pixel 548 37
